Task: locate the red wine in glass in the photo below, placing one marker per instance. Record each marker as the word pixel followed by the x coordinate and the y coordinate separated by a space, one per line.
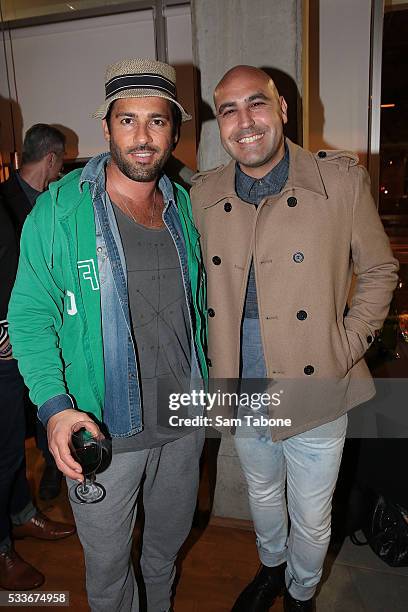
pixel 89 458
pixel 86 448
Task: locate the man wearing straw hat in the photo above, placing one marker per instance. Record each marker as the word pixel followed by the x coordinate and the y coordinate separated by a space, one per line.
pixel 106 319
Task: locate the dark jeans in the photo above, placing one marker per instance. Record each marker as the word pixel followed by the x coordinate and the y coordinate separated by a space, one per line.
pixel 14 490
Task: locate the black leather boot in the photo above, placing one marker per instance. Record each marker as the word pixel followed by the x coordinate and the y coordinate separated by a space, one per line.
pixel 296 605
pixel 260 594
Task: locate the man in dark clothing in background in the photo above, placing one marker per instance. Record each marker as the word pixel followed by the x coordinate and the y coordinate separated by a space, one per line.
pixel 43 153
pixel 17 197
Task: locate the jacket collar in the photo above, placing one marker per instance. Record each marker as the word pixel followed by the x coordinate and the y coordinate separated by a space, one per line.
pixel 94 171
pixel 13 189
pixel 304 174
pixel 16 200
pixel 304 171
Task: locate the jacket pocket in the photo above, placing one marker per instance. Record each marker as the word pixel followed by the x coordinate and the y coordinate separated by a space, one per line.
pixel 347 356
pixel 357 347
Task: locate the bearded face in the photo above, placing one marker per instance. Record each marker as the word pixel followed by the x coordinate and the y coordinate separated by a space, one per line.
pixel 141 136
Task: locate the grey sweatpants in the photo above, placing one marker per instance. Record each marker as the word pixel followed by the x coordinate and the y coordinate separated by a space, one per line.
pixel 105 528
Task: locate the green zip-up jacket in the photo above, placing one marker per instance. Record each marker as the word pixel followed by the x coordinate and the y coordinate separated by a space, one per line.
pixel 58 354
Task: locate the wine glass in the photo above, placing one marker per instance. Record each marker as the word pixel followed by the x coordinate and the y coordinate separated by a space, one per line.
pixel 86 448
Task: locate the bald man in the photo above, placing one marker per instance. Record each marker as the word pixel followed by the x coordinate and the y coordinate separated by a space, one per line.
pixel 282 232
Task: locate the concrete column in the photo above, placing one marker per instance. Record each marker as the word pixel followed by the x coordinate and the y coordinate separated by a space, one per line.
pixel 267 34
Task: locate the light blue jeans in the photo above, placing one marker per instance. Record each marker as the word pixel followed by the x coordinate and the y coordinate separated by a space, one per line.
pixel 308 464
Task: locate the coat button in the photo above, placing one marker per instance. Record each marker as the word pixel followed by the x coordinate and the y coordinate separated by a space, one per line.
pixel 298 257
pixel 227 207
pixel 301 315
pixel 209 363
pixel 369 339
pixel 216 260
pixel 308 370
pixel 211 312
pixel 322 154
pixel 292 201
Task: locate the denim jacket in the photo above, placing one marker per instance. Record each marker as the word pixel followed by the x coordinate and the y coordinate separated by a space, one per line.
pixel 122 410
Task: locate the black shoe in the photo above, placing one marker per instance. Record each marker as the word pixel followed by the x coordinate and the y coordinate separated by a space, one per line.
pixel 296 605
pixel 260 594
pixel 50 484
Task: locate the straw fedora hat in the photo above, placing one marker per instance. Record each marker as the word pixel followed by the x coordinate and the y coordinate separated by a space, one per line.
pixel 139 78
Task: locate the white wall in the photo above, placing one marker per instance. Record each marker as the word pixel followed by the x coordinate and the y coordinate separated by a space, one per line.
pixel 339 76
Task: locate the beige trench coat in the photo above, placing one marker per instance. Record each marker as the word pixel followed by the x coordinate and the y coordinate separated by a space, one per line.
pixel 306 243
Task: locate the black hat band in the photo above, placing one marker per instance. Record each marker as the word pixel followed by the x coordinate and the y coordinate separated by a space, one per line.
pixel 139 81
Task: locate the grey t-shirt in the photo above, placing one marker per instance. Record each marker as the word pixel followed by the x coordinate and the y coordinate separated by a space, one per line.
pixel 161 328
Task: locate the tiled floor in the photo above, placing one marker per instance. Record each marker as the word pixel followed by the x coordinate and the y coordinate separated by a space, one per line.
pixel 217 563
pixel 358 581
